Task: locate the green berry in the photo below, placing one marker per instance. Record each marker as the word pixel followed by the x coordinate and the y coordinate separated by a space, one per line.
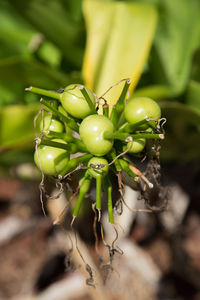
pixel 51 124
pixel 74 102
pixel 98 172
pixel 138 109
pixel 136 146
pixel 53 160
pixel 91 132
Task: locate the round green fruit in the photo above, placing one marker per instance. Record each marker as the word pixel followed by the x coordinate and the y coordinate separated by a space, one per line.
pixel 136 146
pixel 91 132
pixel 53 160
pixel 98 161
pixel 51 124
pixel 138 109
pixel 74 102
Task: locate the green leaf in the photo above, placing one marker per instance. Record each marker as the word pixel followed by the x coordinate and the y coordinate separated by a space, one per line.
pixel 119 37
pixel 31 72
pixel 193 95
pixel 17 127
pixel 177 37
pixel 195 72
pixel 55 23
pixel 15 33
pixel 182 141
pixel 10 93
pixel 50 54
pixel 155 92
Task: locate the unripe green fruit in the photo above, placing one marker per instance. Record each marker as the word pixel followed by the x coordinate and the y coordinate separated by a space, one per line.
pixel 138 109
pixel 136 146
pixel 53 160
pixel 98 172
pixel 74 102
pixel 51 124
pixel 91 132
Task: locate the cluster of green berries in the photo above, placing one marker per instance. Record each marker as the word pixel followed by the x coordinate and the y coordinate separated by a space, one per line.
pixel 72 124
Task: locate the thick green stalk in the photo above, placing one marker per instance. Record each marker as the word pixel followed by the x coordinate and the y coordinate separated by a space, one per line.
pixel 112 156
pixel 108 190
pixel 127 127
pixel 80 145
pixel 74 162
pixel 72 148
pixel 67 138
pixel 106 110
pixel 119 106
pixel 54 135
pixel 43 92
pixel 85 185
pixel 98 192
pixel 87 98
pixel 64 136
pixel 123 135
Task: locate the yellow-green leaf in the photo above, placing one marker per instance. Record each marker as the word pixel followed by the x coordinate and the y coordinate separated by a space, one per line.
pixel 119 37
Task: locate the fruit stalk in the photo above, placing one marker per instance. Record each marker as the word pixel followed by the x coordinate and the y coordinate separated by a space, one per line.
pixel 106 110
pixel 72 148
pixel 127 127
pixel 123 135
pixel 85 185
pixel 119 106
pixel 87 98
pixel 48 93
pixel 98 192
pixel 108 190
pixel 74 162
pixel 67 138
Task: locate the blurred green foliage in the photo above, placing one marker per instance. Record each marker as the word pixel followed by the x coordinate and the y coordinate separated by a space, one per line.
pixel 52 43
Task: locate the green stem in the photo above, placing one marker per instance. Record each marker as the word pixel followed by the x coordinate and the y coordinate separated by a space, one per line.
pixel 125 167
pixel 55 104
pixel 108 190
pixel 119 106
pixel 98 192
pixel 74 162
pixel 62 111
pixel 69 121
pixel 112 156
pixel 67 138
pixel 87 98
pixel 43 92
pixel 53 135
pixel 80 145
pixel 85 185
pixel 106 110
pixel 69 147
pixel 127 127
pixel 64 136
pixel 123 135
